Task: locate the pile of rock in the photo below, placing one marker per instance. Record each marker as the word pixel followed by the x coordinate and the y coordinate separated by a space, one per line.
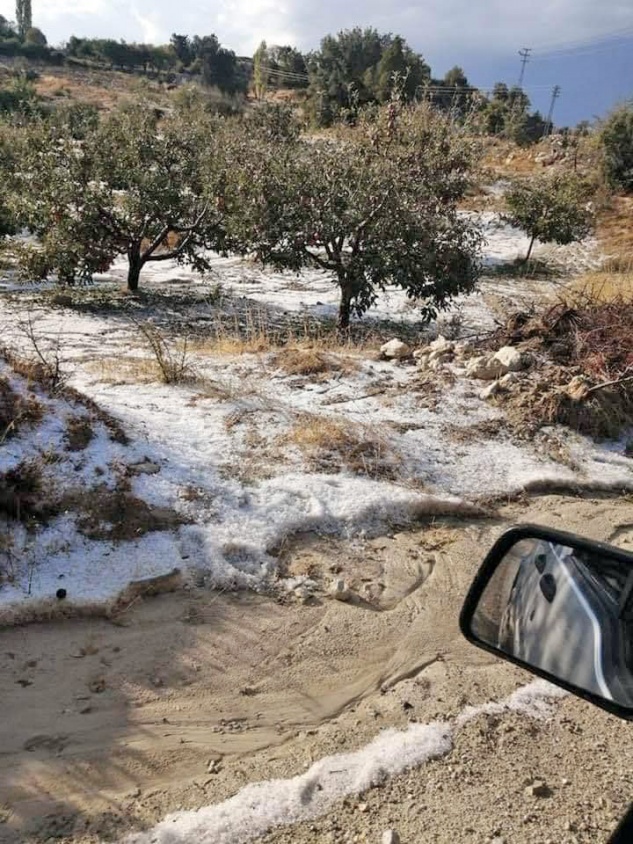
pixel 500 367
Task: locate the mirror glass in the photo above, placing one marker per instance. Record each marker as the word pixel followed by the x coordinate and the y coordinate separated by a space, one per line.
pixel 565 610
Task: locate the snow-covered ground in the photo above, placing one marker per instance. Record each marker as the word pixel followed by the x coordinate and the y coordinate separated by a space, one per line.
pixel 225 448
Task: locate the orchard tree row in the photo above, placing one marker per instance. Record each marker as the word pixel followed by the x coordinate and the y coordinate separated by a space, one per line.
pixel 376 209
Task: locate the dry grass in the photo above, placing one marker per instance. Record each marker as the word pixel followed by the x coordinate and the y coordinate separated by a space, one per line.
pixel 79 433
pixel 615 231
pixel 603 286
pixel 17 411
pixel 311 361
pixel 332 444
pixel 126 370
pixel 104 89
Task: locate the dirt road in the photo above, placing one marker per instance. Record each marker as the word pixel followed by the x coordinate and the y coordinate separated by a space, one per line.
pixel 183 699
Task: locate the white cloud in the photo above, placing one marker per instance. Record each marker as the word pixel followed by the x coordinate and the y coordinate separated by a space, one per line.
pixel 434 27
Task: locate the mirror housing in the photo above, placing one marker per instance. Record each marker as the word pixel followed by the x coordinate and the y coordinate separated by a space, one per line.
pixel 560 606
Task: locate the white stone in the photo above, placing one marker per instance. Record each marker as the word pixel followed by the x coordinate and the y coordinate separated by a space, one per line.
pixel 390 837
pixel 395 349
pixel 441 354
pixel 485 368
pixel 507 380
pixel 423 352
pixel 441 343
pixel 511 358
pixel 490 391
pixel 463 350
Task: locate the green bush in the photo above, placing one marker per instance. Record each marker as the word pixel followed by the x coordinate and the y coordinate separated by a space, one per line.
pixel 617 145
pixel 552 209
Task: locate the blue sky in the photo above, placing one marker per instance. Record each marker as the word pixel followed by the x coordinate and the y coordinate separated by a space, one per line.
pixel 584 46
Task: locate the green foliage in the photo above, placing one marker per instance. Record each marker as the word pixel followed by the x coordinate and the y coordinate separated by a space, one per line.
pixel 131 187
pixel 617 144
pixel 377 210
pixel 552 209
pixel 357 67
pixel 35 36
pixel 507 113
pixel 19 97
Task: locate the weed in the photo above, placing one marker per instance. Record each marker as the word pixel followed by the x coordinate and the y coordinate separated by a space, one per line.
pixel 331 444
pixel 78 433
pixel 172 362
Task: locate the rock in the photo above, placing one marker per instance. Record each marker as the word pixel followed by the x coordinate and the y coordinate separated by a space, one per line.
pixel 340 591
pixel 145 467
pixel 435 365
pixel 441 344
pixel 492 390
pixel 441 355
pixel 485 368
pixel 578 388
pixel 303 594
pixel 463 350
pixel 214 766
pixel 422 352
pixel 511 358
pixel 390 836
pixel 422 360
pixel 538 788
pixel 508 380
pixel 395 349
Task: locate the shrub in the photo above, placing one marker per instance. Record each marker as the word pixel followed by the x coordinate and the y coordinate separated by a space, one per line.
pixel 552 209
pixel 617 144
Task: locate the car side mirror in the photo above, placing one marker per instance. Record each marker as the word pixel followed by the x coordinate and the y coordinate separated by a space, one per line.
pixel 560 606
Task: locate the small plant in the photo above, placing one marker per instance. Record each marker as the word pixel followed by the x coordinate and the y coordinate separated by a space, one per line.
pixel 172 362
pixel 48 365
pixel 552 209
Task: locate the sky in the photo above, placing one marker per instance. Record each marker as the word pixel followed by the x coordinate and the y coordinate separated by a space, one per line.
pixel 584 46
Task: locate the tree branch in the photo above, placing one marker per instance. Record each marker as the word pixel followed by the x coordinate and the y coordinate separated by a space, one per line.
pixel 613 383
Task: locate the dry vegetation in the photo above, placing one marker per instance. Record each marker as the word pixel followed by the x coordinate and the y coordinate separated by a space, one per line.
pixel 331 444
pixel 103 89
pixel 311 361
pixel 586 382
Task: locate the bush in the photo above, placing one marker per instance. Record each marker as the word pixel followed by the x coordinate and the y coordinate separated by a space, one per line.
pixel 552 209
pixel 617 145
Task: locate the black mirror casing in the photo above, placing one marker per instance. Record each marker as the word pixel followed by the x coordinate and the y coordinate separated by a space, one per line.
pixel 492 562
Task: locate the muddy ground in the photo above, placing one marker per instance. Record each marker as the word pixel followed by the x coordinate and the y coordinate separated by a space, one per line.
pixel 177 702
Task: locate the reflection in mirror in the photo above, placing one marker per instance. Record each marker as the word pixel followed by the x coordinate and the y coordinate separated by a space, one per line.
pixel 567 611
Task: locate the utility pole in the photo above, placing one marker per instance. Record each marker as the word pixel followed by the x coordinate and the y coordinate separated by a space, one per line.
pixel 525 58
pixel 548 123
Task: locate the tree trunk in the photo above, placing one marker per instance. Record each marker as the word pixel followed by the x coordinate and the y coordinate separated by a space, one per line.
pixel 134 271
pixel 345 306
pixel 529 252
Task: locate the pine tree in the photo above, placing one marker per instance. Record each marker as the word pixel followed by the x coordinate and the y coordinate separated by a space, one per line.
pixel 23 16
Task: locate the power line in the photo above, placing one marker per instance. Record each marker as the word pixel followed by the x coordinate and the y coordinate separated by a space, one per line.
pixel 580 43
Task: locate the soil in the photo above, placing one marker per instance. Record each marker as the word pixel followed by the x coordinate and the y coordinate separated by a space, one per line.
pixel 178 702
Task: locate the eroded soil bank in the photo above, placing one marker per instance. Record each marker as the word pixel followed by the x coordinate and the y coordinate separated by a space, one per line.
pixel 184 698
